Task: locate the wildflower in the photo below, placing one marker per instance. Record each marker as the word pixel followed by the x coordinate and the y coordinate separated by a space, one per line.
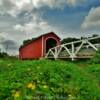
pixel 31 86
pixel 16 94
pixel 29 69
pixel 40 73
pixel 9 64
pixel 71 97
pixel 13 91
pixel 45 86
pixel 38 81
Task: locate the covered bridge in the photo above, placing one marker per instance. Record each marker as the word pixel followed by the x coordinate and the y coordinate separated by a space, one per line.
pixel 38 47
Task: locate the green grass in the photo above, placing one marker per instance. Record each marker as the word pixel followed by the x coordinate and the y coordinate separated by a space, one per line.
pixel 49 80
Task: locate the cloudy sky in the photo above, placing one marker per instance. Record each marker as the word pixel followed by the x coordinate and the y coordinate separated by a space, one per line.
pixel 23 19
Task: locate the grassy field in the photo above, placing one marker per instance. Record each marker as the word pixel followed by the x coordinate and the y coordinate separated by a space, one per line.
pixel 48 80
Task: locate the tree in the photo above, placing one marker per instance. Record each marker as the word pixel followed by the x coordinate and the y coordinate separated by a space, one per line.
pixel 94 35
pixel 3 55
pixel 69 39
pixel 28 41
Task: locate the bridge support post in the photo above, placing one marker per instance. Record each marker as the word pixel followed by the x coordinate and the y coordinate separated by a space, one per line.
pixel 72 52
pixel 56 54
pixel 92 45
pixel 78 49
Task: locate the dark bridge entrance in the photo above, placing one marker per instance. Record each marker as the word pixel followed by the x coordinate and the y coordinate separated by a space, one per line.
pixel 50 43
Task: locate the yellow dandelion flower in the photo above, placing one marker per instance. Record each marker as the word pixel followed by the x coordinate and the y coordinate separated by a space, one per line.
pixel 45 86
pixel 17 94
pixel 31 86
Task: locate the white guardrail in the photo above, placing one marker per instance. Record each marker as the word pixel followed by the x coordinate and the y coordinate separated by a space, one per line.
pixel 73 50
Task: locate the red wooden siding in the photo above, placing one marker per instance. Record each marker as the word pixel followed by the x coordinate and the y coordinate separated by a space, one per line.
pixel 32 50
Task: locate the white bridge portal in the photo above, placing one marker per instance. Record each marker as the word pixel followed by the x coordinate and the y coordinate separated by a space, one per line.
pixel 84 48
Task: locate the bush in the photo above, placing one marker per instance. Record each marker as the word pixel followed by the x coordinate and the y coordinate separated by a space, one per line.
pixel 3 55
pixel 96 58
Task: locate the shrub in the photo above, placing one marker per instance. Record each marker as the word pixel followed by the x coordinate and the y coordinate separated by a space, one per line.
pixel 96 58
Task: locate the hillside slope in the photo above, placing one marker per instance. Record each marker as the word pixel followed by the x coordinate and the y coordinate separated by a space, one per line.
pixel 48 80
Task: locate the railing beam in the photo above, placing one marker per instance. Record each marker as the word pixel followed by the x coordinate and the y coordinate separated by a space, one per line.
pixel 92 45
pixel 55 51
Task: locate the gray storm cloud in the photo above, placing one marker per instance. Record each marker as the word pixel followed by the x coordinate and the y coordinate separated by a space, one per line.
pixel 9 46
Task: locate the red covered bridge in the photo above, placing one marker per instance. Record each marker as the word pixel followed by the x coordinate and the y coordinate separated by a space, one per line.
pixel 38 47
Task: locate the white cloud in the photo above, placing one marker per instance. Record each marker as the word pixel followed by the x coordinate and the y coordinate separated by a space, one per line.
pixel 36 25
pixel 92 20
pixel 5 42
pixel 0 2
pixel 14 7
pixel 55 3
pixel 71 2
pixel 22 4
pixel 5 36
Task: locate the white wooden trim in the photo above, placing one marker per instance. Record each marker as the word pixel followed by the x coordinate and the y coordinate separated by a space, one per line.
pixel 53 53
pixel 92 45
pixel 59 51
pixel 47 54
pixel 67 50
pixel 56 53
pixel 42 46
pixel 78 49
pixel 73 51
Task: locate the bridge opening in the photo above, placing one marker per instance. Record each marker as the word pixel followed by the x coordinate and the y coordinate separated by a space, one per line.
pixel 50 43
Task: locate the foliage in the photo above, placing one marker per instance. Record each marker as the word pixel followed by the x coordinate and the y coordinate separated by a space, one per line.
pixel 6 56
pixel 3 55
pixel 96 58
pixel 69 39
pixel 45 79
pixel 94 71
pixel 28 41
pixel 25 42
